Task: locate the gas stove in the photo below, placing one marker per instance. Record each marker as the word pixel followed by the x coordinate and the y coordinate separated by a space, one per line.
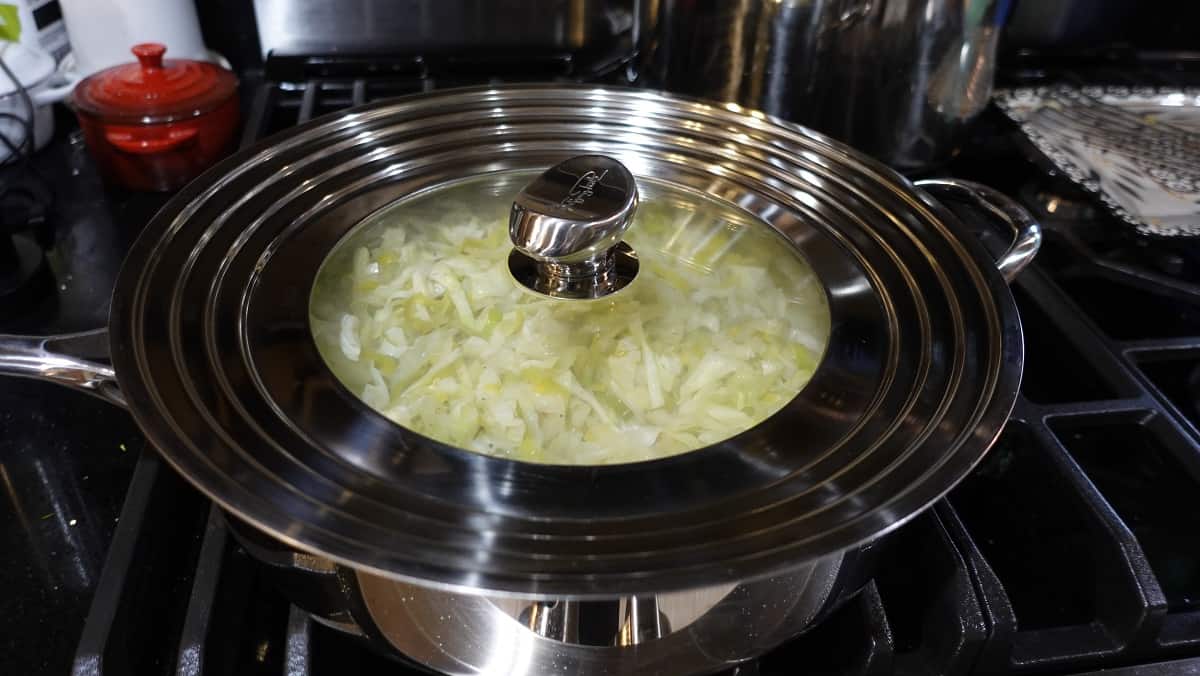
pixel 1071 548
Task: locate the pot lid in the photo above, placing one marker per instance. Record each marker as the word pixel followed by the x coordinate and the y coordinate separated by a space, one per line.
pixel 30 65
pixel 554 319
pixel 213 346
pixel 153 89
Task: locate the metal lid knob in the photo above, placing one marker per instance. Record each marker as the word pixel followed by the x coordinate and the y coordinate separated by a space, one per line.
pixel 566 227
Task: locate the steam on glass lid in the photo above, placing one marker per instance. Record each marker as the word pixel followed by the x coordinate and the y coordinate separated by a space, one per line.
pixel 578 318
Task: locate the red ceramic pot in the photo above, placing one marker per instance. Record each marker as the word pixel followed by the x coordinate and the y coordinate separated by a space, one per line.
pixel 155 124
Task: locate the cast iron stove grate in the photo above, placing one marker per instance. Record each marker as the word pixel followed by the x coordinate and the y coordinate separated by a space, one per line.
pixel 1073 547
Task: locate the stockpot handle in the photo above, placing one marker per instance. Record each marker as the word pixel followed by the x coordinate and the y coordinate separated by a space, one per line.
pixel 857 10
pixel 76 360
pixel 1027 234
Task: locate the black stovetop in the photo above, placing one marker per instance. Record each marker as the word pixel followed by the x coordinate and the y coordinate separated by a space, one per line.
pixel 1072 547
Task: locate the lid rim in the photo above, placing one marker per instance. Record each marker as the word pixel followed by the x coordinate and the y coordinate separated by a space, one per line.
pixel 134 119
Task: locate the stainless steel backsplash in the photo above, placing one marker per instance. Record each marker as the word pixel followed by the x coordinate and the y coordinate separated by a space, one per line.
pixel 421 26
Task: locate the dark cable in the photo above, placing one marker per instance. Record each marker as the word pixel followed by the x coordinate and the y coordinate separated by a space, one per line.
pixel 38 195
pixel 21 154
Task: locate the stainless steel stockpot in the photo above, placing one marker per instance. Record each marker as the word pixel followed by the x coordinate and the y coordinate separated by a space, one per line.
pixel 212 353
pixel 898 79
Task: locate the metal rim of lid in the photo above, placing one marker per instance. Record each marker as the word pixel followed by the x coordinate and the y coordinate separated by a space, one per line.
pixel 212 348
pixel 153 89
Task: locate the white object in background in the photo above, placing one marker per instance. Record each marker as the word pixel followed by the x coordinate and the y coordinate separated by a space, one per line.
pixel 34 68
pixel 102 31
pixel 37 23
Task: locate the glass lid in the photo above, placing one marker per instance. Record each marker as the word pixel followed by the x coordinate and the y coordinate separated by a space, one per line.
pixel 569 318
pixel 213 343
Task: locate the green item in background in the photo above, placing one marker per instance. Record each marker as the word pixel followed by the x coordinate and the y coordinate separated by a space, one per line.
pixel 10 23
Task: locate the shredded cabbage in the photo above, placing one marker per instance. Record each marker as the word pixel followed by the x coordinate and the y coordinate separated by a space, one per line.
pixel 418 315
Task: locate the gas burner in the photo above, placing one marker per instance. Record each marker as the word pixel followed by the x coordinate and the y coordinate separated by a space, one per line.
pixel 1047 203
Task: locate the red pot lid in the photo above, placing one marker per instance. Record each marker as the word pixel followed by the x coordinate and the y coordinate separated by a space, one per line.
pixel 154 90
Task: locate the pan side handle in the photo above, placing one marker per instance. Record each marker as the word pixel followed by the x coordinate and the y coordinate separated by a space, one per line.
pixel 75 360
pixel 1025 232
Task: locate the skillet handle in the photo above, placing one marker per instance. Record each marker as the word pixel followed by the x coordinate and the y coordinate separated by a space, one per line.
pixel 1027 234
pixel 76 360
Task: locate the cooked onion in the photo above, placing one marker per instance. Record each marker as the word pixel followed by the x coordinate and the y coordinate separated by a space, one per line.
pixel 419 316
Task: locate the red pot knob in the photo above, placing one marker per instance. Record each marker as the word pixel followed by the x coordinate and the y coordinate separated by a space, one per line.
pixel 150 55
